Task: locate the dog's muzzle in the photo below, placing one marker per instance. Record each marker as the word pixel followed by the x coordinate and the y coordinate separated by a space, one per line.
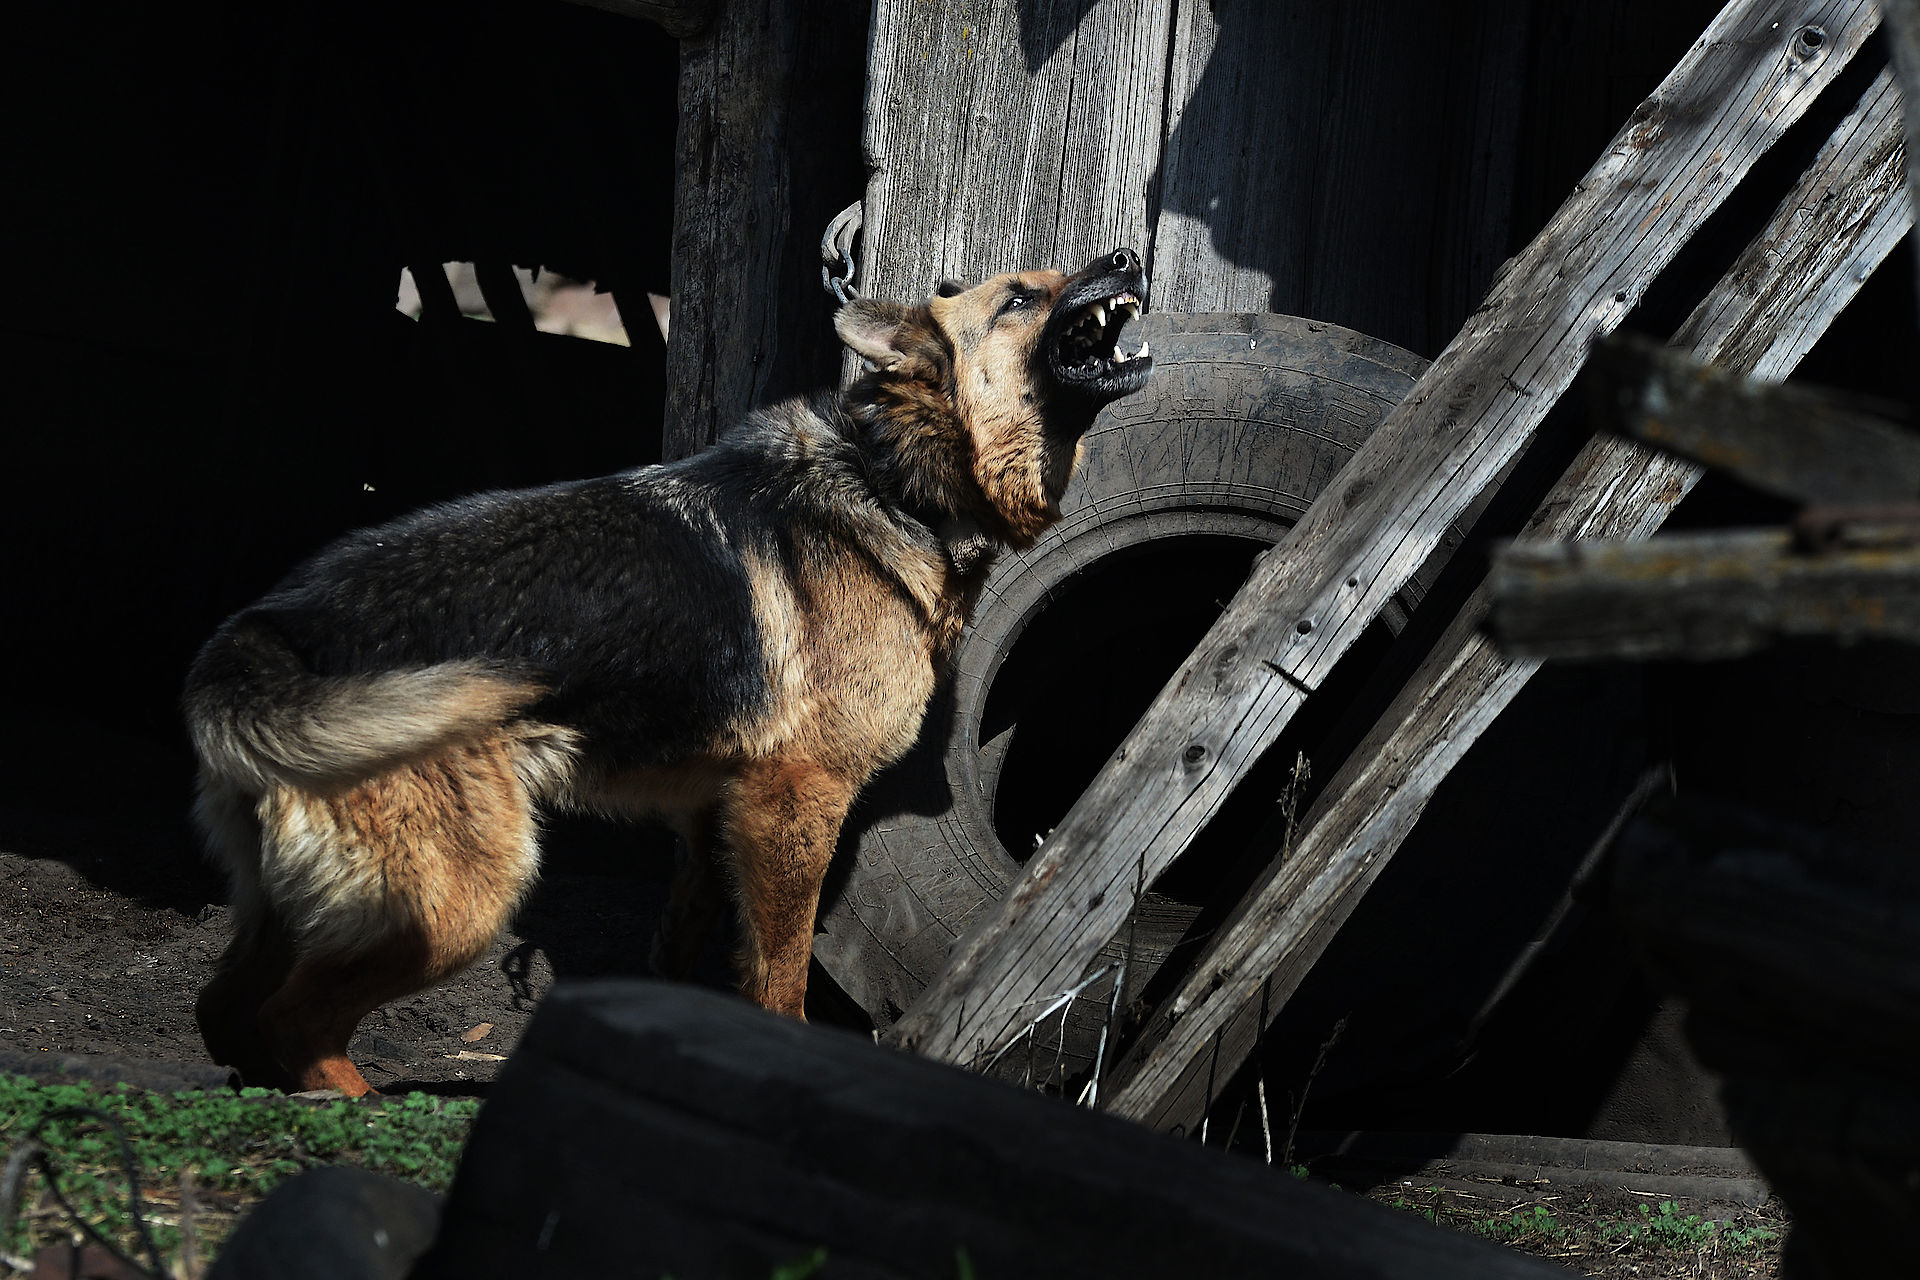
pixel 1083 336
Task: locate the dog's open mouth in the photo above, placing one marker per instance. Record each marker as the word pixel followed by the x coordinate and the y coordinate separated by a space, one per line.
pixel 1086 348
pixel 1091 343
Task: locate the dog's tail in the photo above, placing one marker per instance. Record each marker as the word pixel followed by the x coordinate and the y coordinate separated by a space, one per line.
pixel 259 716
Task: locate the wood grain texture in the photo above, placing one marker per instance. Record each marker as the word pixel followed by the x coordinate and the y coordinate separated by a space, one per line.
pixel 1698 596
pixel 764 155
pixel 1795 444
pixel 1764 315
pixel 1751 76
pixel 1004 136
pixel 1215 139
pixel 730 218
pixel 1847 215
pixel 1350 162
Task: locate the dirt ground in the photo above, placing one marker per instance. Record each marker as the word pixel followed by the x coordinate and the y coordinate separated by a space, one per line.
pixel 109 927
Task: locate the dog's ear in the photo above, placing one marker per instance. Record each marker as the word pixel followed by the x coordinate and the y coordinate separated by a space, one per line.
pixel 872 329
pixel 950 288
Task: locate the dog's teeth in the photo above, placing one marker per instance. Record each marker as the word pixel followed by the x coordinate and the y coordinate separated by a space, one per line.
pixel 1142 351
pixel 1100 315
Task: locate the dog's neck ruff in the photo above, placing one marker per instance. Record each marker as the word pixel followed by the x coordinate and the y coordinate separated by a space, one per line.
pixel 906 465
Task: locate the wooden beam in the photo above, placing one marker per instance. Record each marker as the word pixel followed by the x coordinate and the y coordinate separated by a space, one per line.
pixel 1758 67
pixel 1797 444
pixel 1761 318
pixel 1700 595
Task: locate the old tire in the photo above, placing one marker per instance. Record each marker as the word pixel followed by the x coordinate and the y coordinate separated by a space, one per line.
pixel 1247 418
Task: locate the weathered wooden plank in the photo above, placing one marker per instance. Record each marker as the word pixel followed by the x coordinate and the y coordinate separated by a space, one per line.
pixel 1214 139
pixel 1755 71
pixel 1698 595
pixel 730 218
pixel 759 134
pixel 1753 321
pixel 1851 218
pixel 1008 135
pixel 1797 444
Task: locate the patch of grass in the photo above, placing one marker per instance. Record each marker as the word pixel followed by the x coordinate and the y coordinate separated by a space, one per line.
pixel 204 1158
pixel 1673 1229
pixel 1608 1235
pixel 1523 1226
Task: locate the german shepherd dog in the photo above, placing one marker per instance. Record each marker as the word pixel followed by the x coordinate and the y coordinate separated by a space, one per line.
pixel 734 643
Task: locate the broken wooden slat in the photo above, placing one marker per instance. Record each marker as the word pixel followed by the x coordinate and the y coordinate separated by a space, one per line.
pixel 1753 320
pixel 1699 595
pixel 1797 444
pixel 1756 70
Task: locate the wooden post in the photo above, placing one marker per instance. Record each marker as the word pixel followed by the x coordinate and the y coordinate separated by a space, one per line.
pixel 761 133
pixel 1753 74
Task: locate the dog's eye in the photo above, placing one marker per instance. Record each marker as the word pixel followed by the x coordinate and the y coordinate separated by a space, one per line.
pixel 1014 302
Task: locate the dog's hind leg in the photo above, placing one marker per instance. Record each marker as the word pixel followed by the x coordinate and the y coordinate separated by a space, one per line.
pixel 260 955
pixel 389 887
pixel 781 821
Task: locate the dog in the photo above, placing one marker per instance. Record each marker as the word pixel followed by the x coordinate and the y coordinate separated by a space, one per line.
pixel 733 643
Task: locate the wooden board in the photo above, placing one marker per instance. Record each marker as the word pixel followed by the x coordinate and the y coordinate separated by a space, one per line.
pixel 1798 444
pixel 1699 595
pixel 986 154
pixel 1761 318
pixel 1754 72
pixel 1006 134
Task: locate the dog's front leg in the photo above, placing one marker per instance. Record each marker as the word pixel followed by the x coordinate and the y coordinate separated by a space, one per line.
pixel 781 821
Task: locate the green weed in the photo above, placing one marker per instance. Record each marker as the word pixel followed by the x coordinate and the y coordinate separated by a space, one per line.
pixel 205 1157
pixel 1523 1226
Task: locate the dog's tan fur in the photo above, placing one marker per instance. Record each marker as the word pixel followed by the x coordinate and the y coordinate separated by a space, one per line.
pixel 381 827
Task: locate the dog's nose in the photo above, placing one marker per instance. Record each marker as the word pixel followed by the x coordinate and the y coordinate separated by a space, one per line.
pixel 1124 260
